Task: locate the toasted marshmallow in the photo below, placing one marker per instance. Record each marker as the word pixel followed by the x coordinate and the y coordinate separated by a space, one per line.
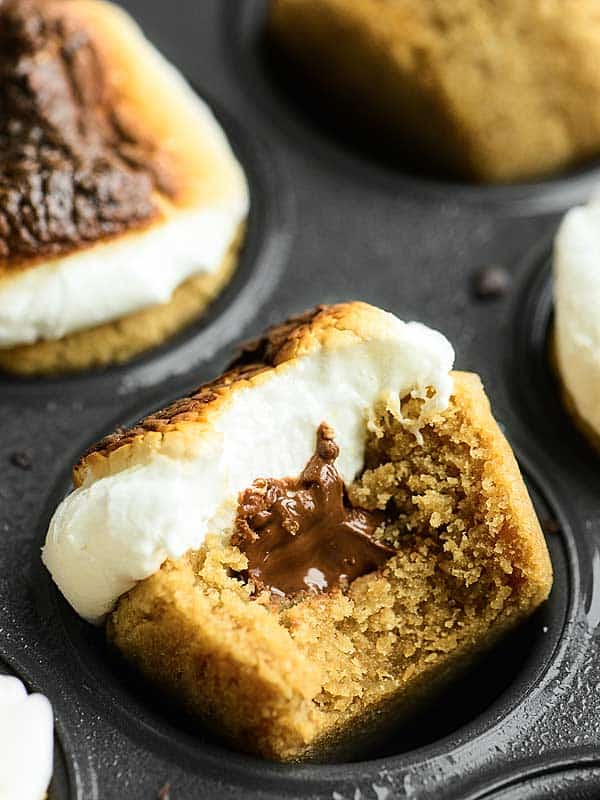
pixel 155 492
pixel 192 225
pixel 577 304
pixel 26 742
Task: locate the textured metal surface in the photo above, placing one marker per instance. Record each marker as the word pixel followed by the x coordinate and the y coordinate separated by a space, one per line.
pixel 329 223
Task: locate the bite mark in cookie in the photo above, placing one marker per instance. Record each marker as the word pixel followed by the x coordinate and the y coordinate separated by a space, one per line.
pixel 302 534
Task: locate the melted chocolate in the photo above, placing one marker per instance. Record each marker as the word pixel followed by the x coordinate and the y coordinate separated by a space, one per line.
pixel 301 534
pixel 70 172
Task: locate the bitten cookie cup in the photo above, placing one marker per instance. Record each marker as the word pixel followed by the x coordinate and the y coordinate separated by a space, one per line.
pixel 122 205
pixel 493 92
pixel 311 545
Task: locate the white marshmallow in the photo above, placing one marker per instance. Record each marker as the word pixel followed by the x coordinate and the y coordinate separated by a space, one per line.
pixel 26 742
pixel 577 307
pixel 111 280
pixel 109 534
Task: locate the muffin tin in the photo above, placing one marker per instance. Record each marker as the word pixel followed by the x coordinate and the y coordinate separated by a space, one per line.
pixel 329 222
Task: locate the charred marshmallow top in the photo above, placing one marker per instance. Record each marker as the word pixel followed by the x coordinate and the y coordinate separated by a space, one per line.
pixel 119 529
pixel 107 203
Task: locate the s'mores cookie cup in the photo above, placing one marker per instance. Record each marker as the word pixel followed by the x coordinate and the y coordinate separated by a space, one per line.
pixel 576 335
pixel 308 545
pixel 122 205
pixel 26 742
pixel 492 92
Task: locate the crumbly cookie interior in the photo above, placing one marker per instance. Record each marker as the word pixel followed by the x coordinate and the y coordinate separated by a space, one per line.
pixel 293 679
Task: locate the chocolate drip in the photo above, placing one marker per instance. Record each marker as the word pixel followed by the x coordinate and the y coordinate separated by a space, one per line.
pixel 70 171
pixel 301 534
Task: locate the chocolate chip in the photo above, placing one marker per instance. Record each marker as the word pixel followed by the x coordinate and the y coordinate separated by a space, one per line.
pixel 491 282
pixel 550 526
pixel 22 459
pixel 303 534
pixel 165 792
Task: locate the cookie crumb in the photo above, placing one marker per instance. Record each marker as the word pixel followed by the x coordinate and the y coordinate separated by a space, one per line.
pixel 23 459
pixel 491 283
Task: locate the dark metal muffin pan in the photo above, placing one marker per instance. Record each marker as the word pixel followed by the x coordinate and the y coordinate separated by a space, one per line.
pixel 330 221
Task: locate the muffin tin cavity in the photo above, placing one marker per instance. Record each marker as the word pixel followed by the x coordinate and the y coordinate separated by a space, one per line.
pixel 261 259
pixel 316 124
pixel 574 782
pixel 330 220
pixel 499 687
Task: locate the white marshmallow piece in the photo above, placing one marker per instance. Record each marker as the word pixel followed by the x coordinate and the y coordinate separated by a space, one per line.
pixel 577 309
pixel 26 742
pixel 109 281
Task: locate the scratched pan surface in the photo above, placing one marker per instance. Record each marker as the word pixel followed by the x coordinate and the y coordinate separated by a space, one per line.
pixel 331 220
